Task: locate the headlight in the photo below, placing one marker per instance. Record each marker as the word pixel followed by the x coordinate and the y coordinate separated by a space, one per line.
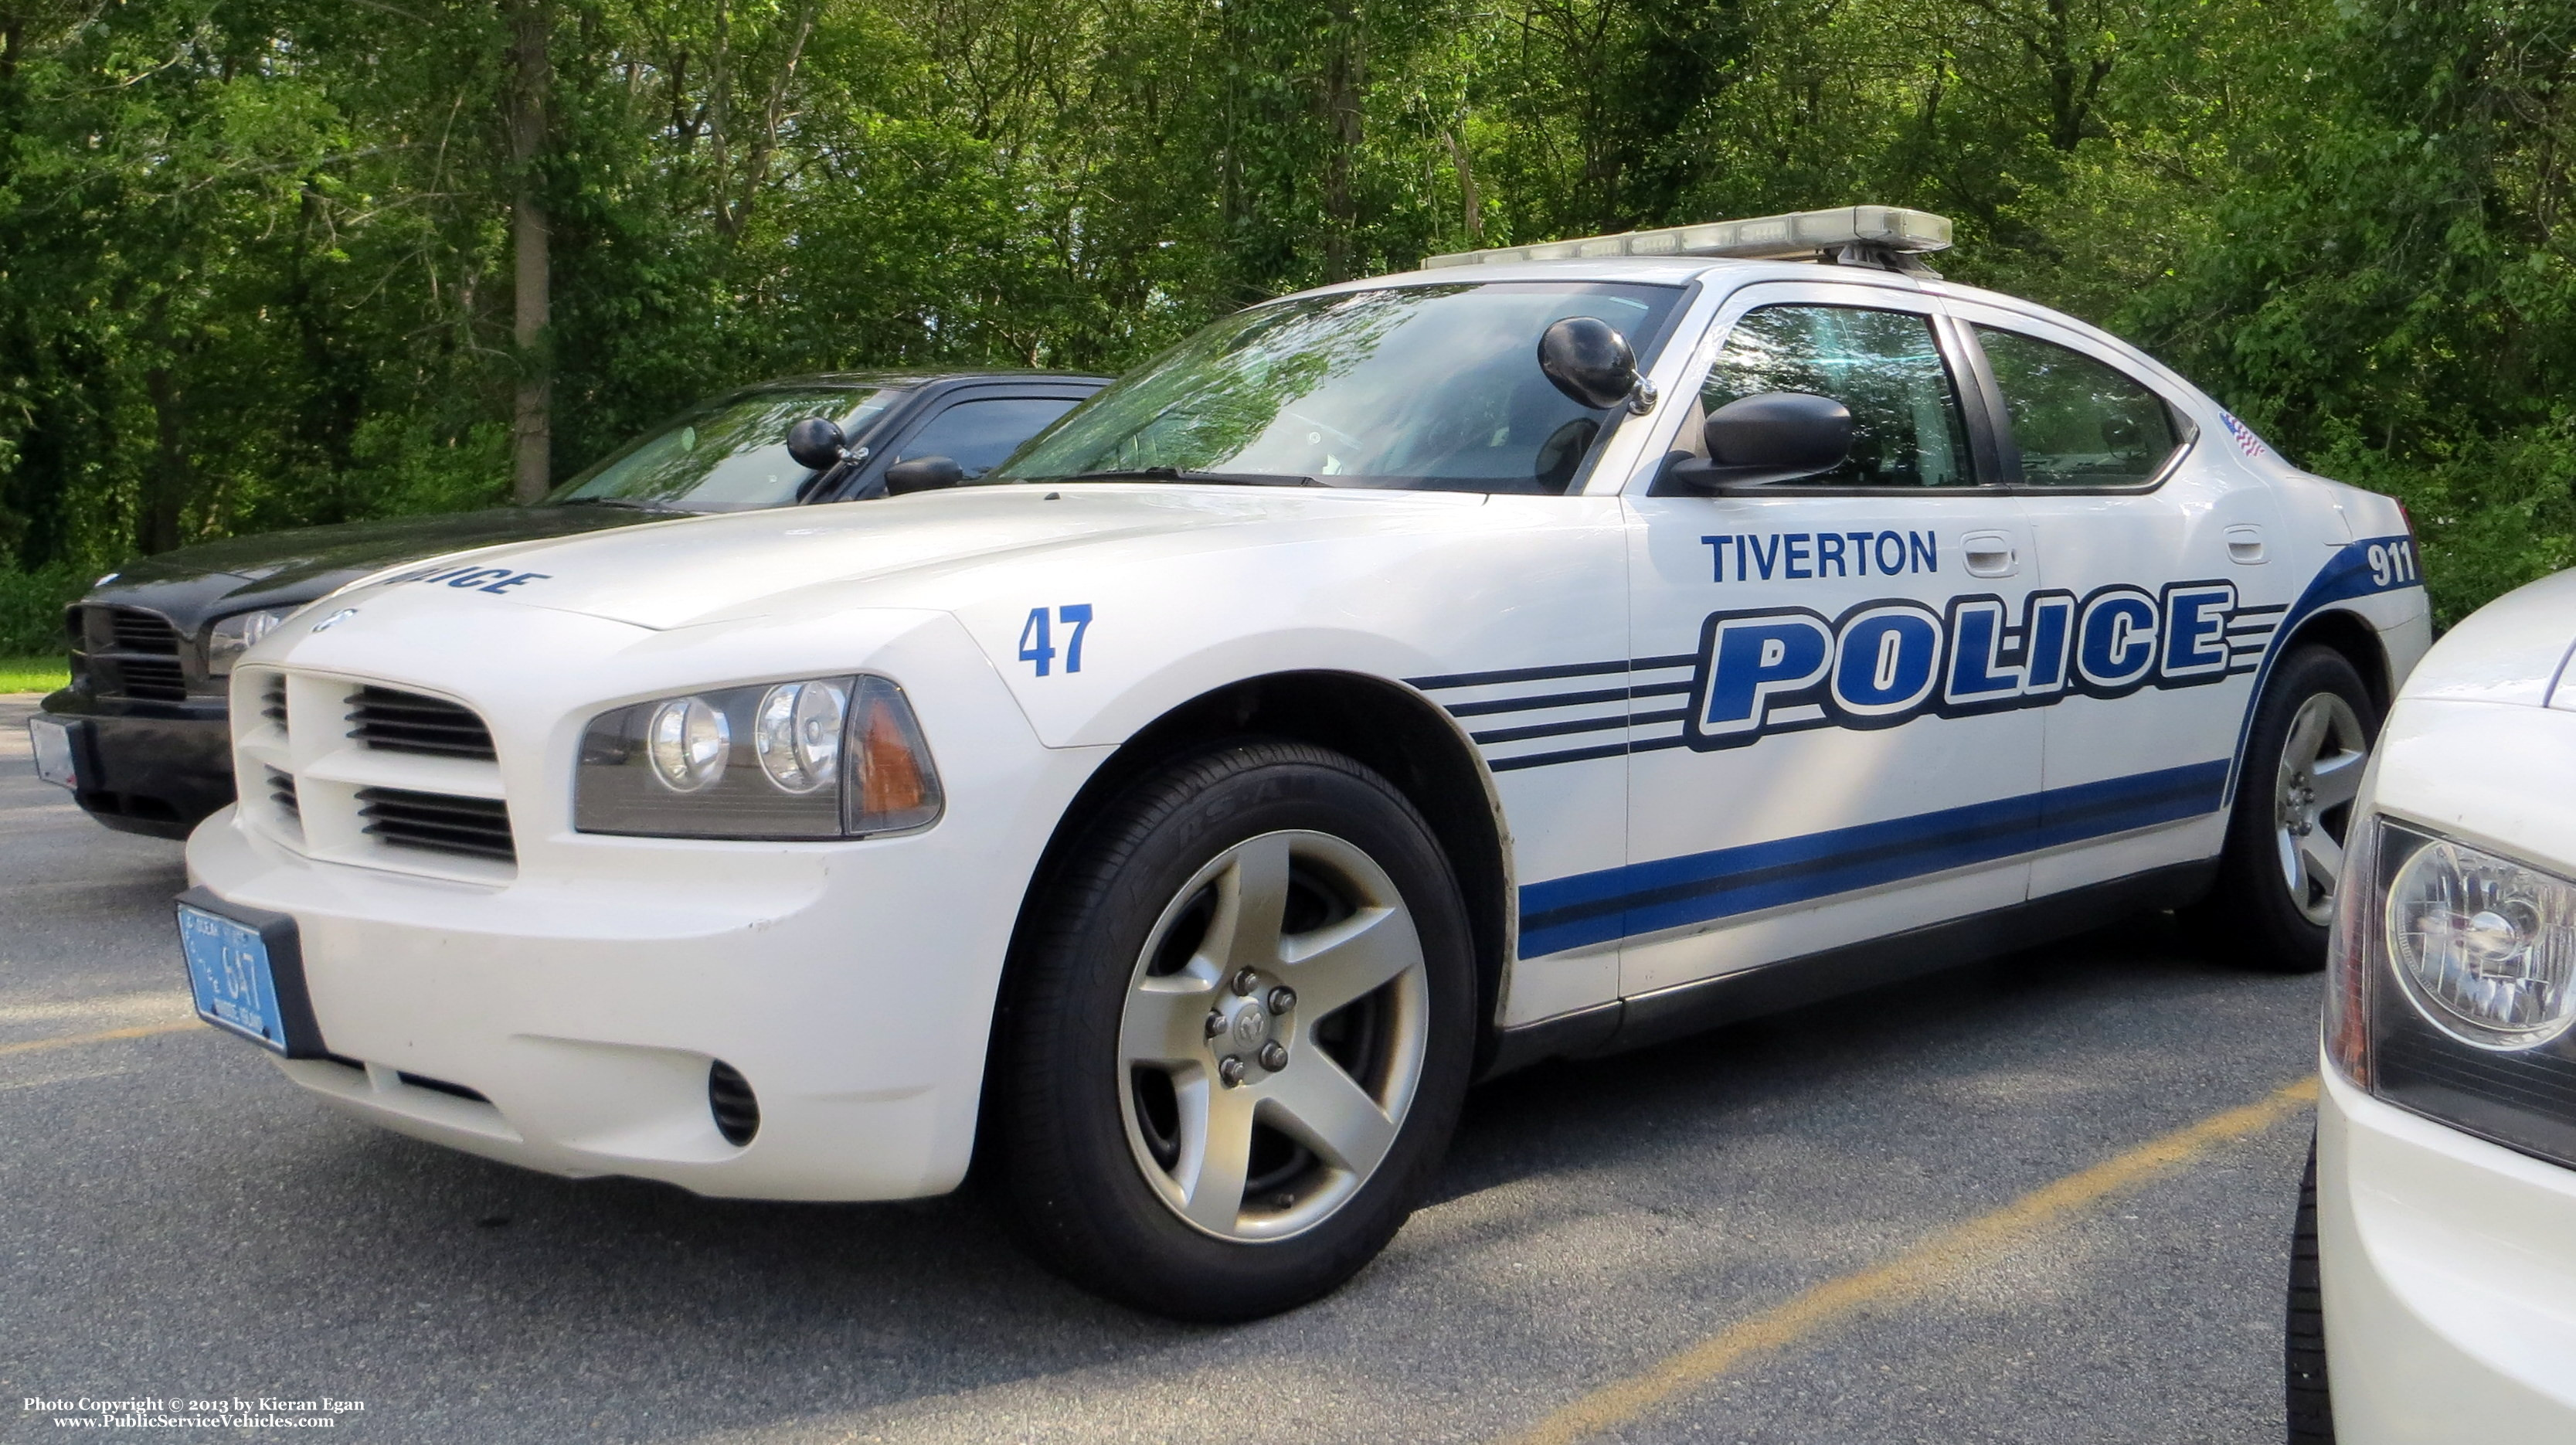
pixel 829 757
pixel 2452 986
pixel 2486 946
pixel 232 636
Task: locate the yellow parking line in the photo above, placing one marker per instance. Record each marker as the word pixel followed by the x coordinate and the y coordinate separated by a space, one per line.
pixel 1941 1257
pixel 104 1036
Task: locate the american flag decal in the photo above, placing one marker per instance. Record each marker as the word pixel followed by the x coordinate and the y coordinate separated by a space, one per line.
pixel 2246 442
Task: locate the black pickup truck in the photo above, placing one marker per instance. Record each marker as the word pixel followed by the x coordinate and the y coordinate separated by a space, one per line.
pixel 141 735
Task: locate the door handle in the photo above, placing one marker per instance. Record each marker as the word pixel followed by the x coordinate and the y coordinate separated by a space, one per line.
pixel 1990 554
pixel 2245 544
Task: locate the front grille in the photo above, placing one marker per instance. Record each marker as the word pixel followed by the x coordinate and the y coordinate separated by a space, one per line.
pixel 132 631
pixel 133 654
pixel 730 1099
pixel 154 679
pixel 439 822
pixel 281 791
pixel 407 722
pixel 272 702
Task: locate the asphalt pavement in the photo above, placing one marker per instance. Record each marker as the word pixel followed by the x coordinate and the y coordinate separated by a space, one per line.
pixel 1738 1237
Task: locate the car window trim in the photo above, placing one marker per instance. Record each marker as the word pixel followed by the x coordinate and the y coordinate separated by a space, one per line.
pixel 2186 429
pixel 897 427
pixel 1742 301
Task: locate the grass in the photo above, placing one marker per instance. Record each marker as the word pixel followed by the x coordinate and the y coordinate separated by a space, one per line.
pixel 33 674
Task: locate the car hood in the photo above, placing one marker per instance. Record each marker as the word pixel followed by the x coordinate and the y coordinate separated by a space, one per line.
pixel 192 584
pixel 937 549
pixel 2513 650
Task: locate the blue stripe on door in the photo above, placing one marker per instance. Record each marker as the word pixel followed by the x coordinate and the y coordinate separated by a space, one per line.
pixel 1641 898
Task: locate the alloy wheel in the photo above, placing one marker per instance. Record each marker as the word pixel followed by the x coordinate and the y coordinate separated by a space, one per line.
pixel 1273 1036
pixel 2322 759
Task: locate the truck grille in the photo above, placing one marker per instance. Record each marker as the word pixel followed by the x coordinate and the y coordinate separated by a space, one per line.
pixel 438 822
pixel 408 722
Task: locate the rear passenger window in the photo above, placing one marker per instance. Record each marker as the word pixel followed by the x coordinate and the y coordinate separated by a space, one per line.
pixel 2078 422
pixel 977 435
pixel 1882 365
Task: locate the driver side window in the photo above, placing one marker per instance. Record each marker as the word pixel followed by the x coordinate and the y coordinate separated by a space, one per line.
pixel 1885 366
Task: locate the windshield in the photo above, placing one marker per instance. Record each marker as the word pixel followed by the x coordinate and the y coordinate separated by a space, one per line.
pixel 728 455
pixel 1421 387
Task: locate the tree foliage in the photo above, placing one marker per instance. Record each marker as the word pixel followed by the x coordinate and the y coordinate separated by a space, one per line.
pixel 257 257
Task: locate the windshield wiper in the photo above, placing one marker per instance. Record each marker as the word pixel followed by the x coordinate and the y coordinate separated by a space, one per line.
pixel 629 503
pixel 1182 474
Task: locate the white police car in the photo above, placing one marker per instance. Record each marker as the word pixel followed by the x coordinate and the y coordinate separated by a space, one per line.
pixel 2441 1217
pixel 1542 653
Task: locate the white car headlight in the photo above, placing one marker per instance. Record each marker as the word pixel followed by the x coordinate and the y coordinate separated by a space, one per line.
pixel 2451 986
pixel 2486 946
pixel 232 636
pixel 830 757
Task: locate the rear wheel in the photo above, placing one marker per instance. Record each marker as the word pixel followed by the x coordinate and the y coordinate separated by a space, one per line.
pixel 2303 1352
pixel 1238 1035
pixel 2304 757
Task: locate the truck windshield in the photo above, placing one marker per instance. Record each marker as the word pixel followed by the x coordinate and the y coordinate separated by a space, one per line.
pixel 1416 387
pixel 728 455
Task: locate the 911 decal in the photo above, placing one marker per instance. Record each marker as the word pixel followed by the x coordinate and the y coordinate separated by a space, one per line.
pixel 2392 562
pixel 1885 662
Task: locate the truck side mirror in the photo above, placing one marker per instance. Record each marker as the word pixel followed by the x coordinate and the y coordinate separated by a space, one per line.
pixel 1778 436
pixel 922 474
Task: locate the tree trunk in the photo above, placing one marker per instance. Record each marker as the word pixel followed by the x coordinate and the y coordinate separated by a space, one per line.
pixel 1345 90
pixel 166 486
pixel 1468 200
pixel 532 426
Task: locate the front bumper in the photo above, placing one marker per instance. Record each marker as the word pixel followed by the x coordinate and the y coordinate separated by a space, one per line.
pixel 2450 1280
pixel 564 1013
pixel 158 773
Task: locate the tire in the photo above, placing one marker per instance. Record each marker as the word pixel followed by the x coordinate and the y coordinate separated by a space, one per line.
pixel 2304 756
pixel 2303 1345
pixel 1128 1159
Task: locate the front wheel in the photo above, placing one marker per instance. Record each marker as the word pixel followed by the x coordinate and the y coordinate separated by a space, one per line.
pixel 1238 1034
pixel 2304 756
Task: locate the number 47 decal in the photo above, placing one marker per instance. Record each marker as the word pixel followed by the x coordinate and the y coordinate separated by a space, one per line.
pixel 1038 647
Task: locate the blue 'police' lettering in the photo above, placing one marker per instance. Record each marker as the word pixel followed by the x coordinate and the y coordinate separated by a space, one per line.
pixel 1886 660
pixel 2196 627
pixel 1893 659
pixel 1757 658
pixel 1978 672
pixel 2116 641
pixel 2051 624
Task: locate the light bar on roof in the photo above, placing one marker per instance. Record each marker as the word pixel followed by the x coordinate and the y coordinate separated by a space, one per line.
pixel 1798 234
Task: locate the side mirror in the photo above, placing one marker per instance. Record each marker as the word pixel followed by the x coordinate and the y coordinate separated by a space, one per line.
pixel 1779 436
pixel 1590 362
pixel 817 443
pixel 922 474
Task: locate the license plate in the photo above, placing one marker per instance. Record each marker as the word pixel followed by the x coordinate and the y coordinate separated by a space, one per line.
pixel 229 971
pixel 53 744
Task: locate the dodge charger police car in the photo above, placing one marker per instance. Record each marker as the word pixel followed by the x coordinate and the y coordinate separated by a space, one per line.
pixel 1545 652
pixel 2434 1262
